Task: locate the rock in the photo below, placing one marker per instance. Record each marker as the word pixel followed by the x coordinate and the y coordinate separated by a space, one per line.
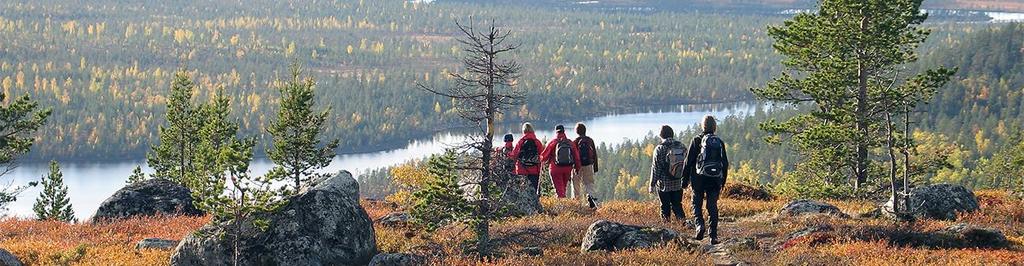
pixel 519 197
pixel 738 244
pixel 149 197
pixel 872 214
pixel 156 243
pixel 532 251
pixel 322 225
pixel 978 237
pixel 397 259
pixel 395 219
pixel 793 238
pixel 807 207
pixel 941 202
pixel 745 192
pixel 8 259
pixel 611 236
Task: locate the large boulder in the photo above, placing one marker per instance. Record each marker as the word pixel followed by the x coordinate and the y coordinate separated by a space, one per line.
pixel 809 207
pixel 611 236
pixel 978 237
pixel 149 197
pixel 322 225
pixel 941 202
pixel 518 196
pixel 8 259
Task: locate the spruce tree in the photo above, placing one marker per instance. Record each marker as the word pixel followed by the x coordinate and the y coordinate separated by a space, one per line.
pixel 845 62
pixel 297 150
pixel 53 202
pixel 172 157
pixel 137 175
pixel 19 121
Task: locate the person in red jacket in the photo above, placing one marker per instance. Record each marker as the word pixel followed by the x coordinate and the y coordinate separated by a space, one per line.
pixel 562 157
pixel 527 157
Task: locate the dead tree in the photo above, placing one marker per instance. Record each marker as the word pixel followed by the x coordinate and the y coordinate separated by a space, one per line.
pixel 484 89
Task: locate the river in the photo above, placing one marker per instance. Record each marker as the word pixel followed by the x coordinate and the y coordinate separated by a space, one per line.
pixel 89 184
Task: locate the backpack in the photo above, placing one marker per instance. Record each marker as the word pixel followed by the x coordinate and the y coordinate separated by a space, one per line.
pixel 586 157
pixel 710 162
pixel 563 153
pixel 676 160
pixel 529 156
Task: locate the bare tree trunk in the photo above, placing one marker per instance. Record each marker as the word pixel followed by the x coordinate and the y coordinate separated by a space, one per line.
pixel 862 113
pixel 906 158
pixel 892 163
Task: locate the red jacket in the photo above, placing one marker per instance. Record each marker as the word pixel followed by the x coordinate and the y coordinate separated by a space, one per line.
pixel 527 139
pixel 548 156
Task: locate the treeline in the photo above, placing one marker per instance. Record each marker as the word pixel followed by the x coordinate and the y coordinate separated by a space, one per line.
pixel 106 65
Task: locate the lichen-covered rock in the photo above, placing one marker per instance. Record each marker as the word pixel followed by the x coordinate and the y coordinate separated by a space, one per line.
pixel 611 236
pixel 323 225
pixel 808 207
pixel 149 197
pixel 8 259
pixel 941 202
pixel 978 237
pixel 156 243
pixel 518 196
pixel 397 259
pixel 395 219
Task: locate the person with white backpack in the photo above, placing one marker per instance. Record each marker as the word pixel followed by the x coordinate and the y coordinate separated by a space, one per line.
pixel 707 165
pixel 667 176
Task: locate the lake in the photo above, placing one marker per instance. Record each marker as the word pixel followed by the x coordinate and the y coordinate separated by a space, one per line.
pixel 89 184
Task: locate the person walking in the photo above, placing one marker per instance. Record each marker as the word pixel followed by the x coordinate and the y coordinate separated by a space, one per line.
pixel 667 176
pixel 583 179
pixel 562 157
pixel 708 167
pixel 527 157
pixel 502 161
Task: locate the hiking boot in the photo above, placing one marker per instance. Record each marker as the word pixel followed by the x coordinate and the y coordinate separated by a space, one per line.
pixel 700 233
pixel 591 202
pixel 714 241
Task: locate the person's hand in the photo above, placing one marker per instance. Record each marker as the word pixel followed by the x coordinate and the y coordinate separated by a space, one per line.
pixel 650 190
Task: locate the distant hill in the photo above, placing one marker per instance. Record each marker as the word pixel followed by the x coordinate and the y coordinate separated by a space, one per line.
pixel 749 5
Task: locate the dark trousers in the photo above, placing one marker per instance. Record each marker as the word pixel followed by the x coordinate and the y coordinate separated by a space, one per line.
pixel 672 202
pixel 705 192
pixel 534 182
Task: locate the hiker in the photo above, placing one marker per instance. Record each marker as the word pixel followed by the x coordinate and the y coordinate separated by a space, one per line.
pixel 708 166
pixel 527 157
pixel 503 162
pixel 668 177
pixel 583 179
pixel 562 158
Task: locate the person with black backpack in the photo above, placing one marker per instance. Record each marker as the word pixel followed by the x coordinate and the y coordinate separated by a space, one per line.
pixel 583 179
pixel 527 157
pixel 562 157
pixel 667 175
pixel 708 167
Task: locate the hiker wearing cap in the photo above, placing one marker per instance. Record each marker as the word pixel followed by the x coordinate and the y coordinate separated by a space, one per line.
pixel 562 157
pixel 503 163
pixel 583 179
pixel 667 176
pixel 708 166
pixel 527 157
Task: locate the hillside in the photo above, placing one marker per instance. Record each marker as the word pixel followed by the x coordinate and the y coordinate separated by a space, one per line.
pixel 751 5
pixel 43 243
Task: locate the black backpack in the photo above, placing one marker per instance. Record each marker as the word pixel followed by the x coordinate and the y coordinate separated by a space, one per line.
pixel 563 153
pixel 529 156
pixel 711 160
pixel 586 157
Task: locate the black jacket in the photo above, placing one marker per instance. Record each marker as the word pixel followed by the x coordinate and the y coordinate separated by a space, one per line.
pixel 691 159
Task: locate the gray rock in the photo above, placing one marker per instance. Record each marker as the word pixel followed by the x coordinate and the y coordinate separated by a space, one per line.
pixel 789 239
pixel 8 259
pixel 518 197
pixel 156 243
pixel 739 244
pixel 611 236
pixel 978 237
pixel 322 225
pixel 397 259
pixel 532 251
pixel 395 219
pixel 809 207
pixel 941 202
pixel 149 197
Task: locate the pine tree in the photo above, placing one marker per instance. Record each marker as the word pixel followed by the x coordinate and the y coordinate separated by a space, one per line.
pixel 137 175
pixel 172 157
pixel 53 202
pixel 441 202
pixel 845 61
pixel 19 122
pixel 297 151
